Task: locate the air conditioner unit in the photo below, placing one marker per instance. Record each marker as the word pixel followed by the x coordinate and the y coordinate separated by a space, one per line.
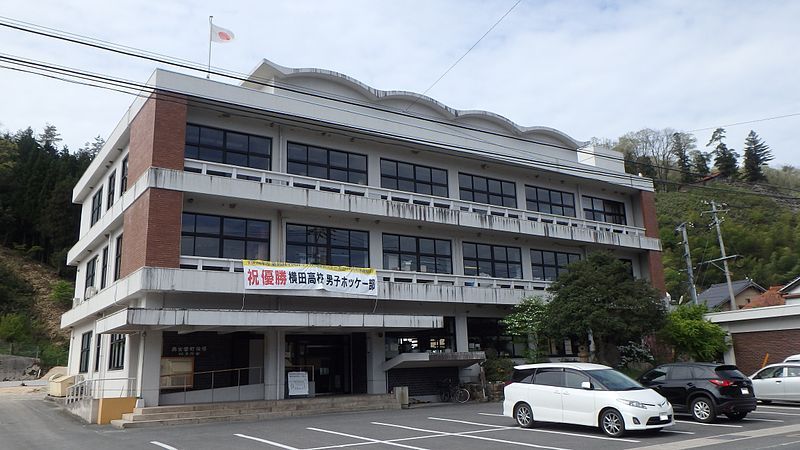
pixel 90 292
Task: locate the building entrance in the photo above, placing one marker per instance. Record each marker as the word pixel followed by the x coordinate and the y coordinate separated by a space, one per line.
pixel 336 363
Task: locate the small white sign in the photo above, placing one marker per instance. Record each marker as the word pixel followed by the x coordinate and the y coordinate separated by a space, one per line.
pixel 298 383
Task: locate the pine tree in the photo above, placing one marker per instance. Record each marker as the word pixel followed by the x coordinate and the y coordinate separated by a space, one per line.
pixel 700 163
pixel 725 159
pixel 681 146
pixel 756 154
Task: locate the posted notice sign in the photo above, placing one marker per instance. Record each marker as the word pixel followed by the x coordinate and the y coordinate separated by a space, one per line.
pixel 275 275
pixel 298 383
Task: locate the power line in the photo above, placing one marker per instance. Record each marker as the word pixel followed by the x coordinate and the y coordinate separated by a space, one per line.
pixel 143 90
pixel 746 122
pixel 465 54
pixel 131 51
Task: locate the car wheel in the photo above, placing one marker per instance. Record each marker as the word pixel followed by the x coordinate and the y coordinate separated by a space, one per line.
pixel 523 415
pixel 703 410
pixel 736 415
pixel 612 423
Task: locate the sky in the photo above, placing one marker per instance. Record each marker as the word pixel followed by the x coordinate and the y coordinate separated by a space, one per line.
pixel 587 68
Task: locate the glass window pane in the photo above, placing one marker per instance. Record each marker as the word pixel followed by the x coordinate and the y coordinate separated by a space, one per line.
pixel 555 197
pixel 206 246
pixel 549 258
pixel 296 254
pixel 479 183
pixel 357 162
pixel 257 250
pixel 391 242
pixel 296 233
pixel 317 155
pixel 470 268
pixel 234 227
pixel 464 181
pixel 440 191
pixel 557 210
pixel 209 154
pixel 470 250
pixel 500 253
pixel 233 249
pixel 317 255
pixel 485 268
pixel 481 197
pixel 427 246
pixel 514 254
pixel 586 202
pixel 466 195
pixel 190 151
pixel 211 137
pixel 296 168
pixel 259 145
pixel 187 245
pixel 439 176
pixel 574 258
pixel 500 270
pixel 408 244
pixel 391 261
pixel 388 168
pixel 550 273
pixel 427 264
pixel 192 134
pixel 318 171
pixel 236 141
pixel 509 202
pixel 338 175
pixel 444 265
pixel 423 173
pixel 405 185
pixel 495 200
pixel 543 195
pixel 388 183
pixel 317 235
pixel 357 177
pixel 538 272
pixel 405 171
pixel 339 257
pixel 423 188
pixel 536 257
pixel 569 212
pixel 484 251
pixel 296 152
pixel 258 162
pixel 359 239
pixel 442 247
pixel 509 188
pixel 236 159
pixel 569 199
pixel 597 204
pixel 562 259
pixel 187 223
pixel 340 238
pixel 408 262
pixel 359 258
pixel 207 224
pixel 338 159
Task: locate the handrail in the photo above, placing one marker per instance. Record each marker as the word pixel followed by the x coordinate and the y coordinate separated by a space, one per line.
pixel 190 384
pixel 96 388
pixel 267 176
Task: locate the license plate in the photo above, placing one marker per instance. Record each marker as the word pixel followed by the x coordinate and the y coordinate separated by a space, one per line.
pixel 745 391
pixel 663 417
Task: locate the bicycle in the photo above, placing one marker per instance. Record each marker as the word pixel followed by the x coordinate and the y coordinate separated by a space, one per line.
pixel 450 391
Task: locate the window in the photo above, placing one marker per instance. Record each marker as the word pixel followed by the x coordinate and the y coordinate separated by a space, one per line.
pixel 522 375
pixel 549 377
pixel 308 244
pixel 415 254
pixel 118 258
pixel 123 179
pixel 91 268
pixel 655 375
pixel 474 188
pixel 98 340
pixel 492 261
pixel 573 378
pixel 681 373
pixel 324 163
pixel 228 147
pixel 413 178
pixel 224 237
pixel 112 181
pixel 549 265
pixel 104 268
pixel 97 205
pixel 604 210
pixel 86 347
pixel 489 333
pixel 550 201
pixel 116 353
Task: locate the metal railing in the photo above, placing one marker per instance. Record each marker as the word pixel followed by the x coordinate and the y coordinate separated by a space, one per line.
pixel 211 380
pixel 373 192
pixel 101 388
pixel 396 276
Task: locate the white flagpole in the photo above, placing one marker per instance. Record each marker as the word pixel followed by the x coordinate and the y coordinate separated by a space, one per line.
pixel 210 19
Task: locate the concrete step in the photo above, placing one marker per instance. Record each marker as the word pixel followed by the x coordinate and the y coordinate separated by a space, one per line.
pixel 251 410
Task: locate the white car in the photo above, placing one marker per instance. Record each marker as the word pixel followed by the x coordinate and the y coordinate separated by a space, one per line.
pixel 777 382
pixel 584 394
pixel 793 358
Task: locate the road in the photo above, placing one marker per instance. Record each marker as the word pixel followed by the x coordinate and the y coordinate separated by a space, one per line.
pixel 28 422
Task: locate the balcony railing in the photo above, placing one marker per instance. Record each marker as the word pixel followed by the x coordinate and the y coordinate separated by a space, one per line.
pixel 395 276
pixel 284 179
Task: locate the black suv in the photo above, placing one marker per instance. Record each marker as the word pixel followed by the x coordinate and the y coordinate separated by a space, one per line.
pixel 703 389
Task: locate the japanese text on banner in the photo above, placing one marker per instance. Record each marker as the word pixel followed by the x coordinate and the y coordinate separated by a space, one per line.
pixel 272 275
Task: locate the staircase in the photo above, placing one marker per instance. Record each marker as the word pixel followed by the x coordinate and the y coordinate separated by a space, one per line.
pixel 252 410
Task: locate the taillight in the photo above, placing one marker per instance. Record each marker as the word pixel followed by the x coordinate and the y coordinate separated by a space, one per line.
pixel 722 383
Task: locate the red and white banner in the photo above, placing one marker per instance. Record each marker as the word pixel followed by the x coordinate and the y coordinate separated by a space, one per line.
pixel 276 275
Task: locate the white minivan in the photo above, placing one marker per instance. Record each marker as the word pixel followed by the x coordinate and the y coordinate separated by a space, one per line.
pixel 584 394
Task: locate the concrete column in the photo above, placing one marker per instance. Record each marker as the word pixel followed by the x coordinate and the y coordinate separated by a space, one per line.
pixel 150 369
pixel 274 364
pixel 376 355
pixel 462 342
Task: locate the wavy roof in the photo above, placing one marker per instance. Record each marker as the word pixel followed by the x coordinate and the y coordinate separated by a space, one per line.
pixel 268 72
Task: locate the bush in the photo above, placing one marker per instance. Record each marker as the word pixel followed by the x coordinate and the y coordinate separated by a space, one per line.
pixel 498 368
pixel 61 293
pixel 14 328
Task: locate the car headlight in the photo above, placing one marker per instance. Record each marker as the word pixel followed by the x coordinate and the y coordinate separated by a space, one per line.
pixel 634 403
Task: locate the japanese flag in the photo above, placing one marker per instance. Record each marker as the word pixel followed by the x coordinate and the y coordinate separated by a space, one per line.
pixel 219 34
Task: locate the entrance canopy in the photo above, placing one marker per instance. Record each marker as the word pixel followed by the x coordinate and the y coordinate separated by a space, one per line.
pixel 187 320
pixel 453 359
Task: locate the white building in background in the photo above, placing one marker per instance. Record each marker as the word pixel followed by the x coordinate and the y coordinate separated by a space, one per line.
pixel 461 214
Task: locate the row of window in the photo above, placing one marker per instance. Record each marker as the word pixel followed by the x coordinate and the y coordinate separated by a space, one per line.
pixel 97 198
pixel 235 238
pixel 216 145
pixel 91 266
pixel 116 352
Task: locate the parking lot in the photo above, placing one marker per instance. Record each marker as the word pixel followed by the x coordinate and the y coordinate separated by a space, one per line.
pixel 474 426
pixel 31 423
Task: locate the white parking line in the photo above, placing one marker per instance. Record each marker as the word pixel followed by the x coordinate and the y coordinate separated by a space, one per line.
pixel 470 436
pixel 777 413
pixel 493 415
pixel 794 408
pixel 369 440
pixel 537 430
pixel 678 432
pixel 723 425
pixel 763 420
pixel 163 445
pixel 264 441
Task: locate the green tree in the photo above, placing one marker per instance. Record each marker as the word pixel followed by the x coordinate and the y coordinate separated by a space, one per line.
pixel 528 319
pixel 700 162
pixel 682 145
pixel 599 297
pixel 692 335
pixel 756 155
pixel 13 328
pixel 725 159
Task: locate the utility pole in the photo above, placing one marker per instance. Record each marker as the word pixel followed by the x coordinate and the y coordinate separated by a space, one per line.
pixel 688 256
pixel 724 258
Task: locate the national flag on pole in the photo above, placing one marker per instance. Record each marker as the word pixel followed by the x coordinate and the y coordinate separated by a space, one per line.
pixel 219 34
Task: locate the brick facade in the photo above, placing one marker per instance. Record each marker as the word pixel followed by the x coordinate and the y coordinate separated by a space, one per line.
pixel 158 135
pixel 152 231
pixel 647 200
pixel 751 348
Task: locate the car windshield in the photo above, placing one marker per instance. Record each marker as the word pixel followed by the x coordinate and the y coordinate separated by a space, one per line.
pixel 614 381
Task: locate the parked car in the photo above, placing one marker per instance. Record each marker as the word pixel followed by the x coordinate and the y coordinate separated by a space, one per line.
pixel 777 382
pixel 584 394
pixel 703 390
pixel 793 358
